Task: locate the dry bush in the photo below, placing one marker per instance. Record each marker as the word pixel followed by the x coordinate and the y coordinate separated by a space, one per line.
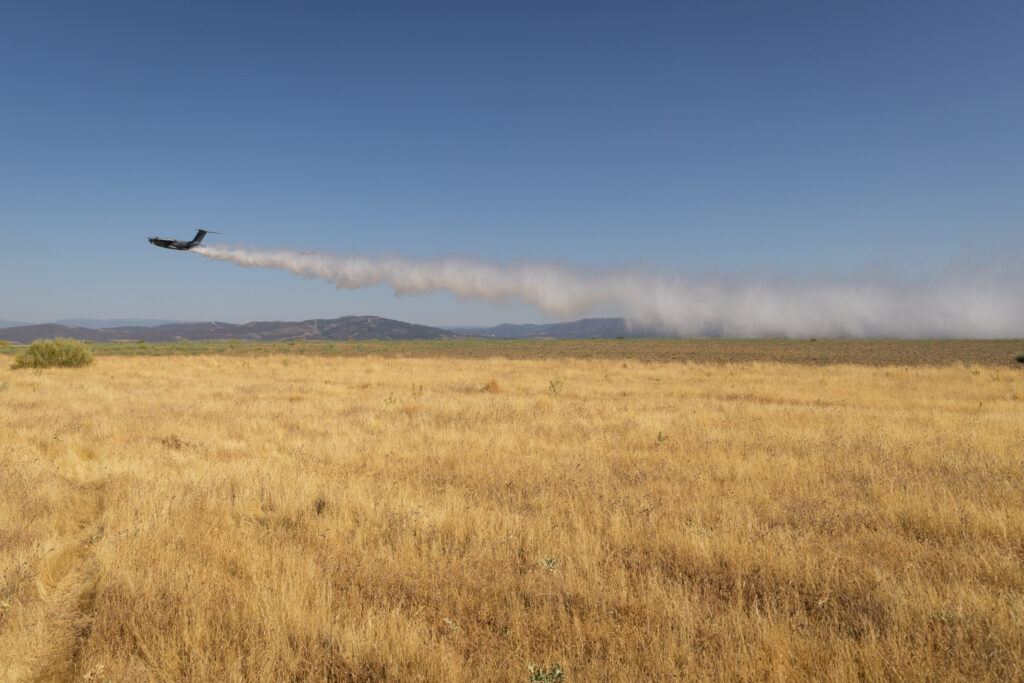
pixel 181 518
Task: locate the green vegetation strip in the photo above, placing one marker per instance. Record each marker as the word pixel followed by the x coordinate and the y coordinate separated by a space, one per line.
pixel 800 351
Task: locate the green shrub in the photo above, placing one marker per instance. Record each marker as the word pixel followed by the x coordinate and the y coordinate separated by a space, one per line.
pixel 5 343
pixel 1019 358
pixel 54 353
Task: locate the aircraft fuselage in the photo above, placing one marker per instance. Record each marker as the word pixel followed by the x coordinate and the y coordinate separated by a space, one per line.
pixel 171 244
pixel 180 245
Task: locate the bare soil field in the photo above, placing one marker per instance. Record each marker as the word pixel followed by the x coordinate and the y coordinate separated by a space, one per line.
pixel 246 516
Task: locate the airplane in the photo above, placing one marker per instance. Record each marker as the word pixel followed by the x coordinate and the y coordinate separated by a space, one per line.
pixel 181 245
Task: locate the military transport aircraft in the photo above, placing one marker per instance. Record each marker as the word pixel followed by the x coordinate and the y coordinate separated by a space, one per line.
pixel 181 245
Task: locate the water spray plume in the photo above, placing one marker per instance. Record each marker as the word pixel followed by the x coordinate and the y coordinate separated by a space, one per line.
pixel 965 303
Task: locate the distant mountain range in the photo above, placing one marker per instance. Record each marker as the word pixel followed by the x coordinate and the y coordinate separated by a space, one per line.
pixel 352 327
pixel 107 323
pixel 98 324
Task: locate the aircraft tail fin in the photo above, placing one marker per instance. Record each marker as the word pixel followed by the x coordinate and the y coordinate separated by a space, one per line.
pixel 200 234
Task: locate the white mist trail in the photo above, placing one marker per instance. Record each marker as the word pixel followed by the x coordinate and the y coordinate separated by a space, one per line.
pixel 966 303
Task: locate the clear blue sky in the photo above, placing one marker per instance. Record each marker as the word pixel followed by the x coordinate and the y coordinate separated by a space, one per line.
pixel 795 138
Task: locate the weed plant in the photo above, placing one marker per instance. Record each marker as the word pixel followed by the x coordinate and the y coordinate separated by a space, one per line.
pixel 538 674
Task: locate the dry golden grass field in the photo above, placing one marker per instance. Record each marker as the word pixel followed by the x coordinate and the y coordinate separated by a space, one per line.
pixel 286 517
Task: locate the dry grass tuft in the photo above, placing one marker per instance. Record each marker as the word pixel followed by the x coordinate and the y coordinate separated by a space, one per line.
pixel 190 518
